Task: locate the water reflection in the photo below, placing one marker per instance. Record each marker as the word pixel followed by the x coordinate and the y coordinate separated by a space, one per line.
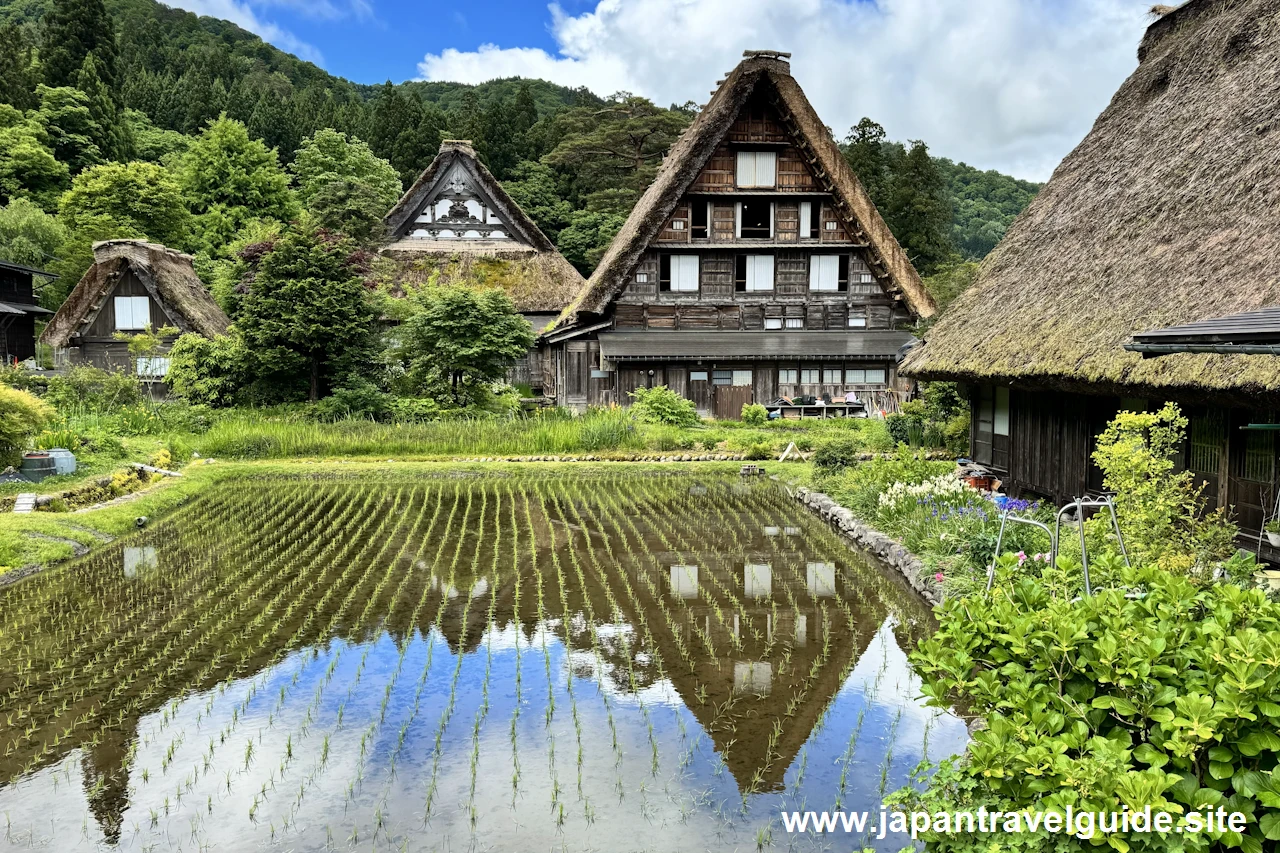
pixel 597 644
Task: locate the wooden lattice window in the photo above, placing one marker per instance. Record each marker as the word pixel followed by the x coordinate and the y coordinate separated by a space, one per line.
pixel 1259 456
pixel 1207 436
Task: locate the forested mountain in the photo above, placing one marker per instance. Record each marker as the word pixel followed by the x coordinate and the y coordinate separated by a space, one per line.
pixel 87 86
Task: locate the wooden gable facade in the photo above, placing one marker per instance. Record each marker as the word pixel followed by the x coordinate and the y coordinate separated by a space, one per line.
pixel 755 278
pixel 131 287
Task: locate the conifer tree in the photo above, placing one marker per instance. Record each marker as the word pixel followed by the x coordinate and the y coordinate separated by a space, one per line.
pixel 112 136
pixel 17 75
pixel 72 30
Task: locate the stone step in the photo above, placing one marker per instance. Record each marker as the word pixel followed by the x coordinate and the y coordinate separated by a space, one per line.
pixel 25 502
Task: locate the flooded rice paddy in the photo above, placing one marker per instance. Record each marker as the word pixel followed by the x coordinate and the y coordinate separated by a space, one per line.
pixel 597 662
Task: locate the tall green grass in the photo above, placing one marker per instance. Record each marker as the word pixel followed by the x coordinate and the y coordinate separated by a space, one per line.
pixel 255 438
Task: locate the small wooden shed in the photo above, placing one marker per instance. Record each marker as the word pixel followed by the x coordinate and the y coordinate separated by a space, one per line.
pixel 133 285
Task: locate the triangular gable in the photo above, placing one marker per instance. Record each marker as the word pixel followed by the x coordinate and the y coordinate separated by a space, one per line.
pixel 457 198
pixel 167 275
pixel 765 73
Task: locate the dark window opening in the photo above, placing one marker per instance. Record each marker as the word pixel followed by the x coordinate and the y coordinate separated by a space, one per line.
pixel 842 276
pixel 699 226
pixel 757 220
pixel 664 272
pixel 815 222
pixel 740 273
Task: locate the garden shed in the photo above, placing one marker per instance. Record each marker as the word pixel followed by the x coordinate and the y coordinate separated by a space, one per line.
pixel 1166 214
pixel 131 287
pixel 457 225
pixel 754 268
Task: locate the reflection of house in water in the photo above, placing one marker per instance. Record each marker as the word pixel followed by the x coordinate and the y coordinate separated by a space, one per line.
pixel 769 603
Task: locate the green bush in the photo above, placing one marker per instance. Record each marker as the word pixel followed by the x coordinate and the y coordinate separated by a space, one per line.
pixel 413 410
pixel 1156 692
pixel 859 487
pixel 89 389
pixel 661 405
pixel 359 399
pixel 755 414
pixel 875 434
pixel 759 451
pixel 62 437
pixel 837 454
pixel 955 434
pixel 22 415
pixel 1163 513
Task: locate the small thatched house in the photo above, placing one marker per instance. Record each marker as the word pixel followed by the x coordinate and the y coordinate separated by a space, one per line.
pixel 456 224
pixel 132 286
pixel 754 268
pixel 1166 214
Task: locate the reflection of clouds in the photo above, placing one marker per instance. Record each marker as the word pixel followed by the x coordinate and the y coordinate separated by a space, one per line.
pixel 444 587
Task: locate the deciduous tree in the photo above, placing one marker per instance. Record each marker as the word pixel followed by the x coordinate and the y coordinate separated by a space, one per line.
pixel 142 197
pixel 464 338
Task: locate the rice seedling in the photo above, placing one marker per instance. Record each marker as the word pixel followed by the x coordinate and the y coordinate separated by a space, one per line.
pixel 279 646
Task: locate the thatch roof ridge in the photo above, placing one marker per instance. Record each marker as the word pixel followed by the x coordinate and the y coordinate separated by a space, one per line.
pixel 166 273
pixel 1167 212
pixel 536 282
pixel 690 154
pixel 549 282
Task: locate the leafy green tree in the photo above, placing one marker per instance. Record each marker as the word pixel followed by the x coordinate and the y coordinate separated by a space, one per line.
pixel 307 299
pixel 918 209
pixel 533 187
pixel 22 415
pixel 28 235
pixel 73 29
pixel 584 241
pixel 73 132
pixel 949 280
pixel 142 197
pixel 113 133
pixel 464 338
pixel 154 144
pixel 28 167
pixel 229 179
pixel 17 68
pixel 328 156
pixel 210 372
pixel 350 207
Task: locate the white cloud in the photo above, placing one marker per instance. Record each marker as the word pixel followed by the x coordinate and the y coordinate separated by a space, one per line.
pixel 242 13
pixel 1005 84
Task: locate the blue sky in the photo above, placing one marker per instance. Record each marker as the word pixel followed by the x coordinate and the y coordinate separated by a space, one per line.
pixel 1001 84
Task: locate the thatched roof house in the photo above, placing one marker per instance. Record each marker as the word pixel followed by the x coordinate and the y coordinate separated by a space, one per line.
pixel 457 224
pixel 760 72
pixel 754 268
pixel 131 285
pixel 1168 212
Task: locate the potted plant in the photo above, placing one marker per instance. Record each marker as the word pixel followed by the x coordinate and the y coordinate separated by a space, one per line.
pixel 1272 529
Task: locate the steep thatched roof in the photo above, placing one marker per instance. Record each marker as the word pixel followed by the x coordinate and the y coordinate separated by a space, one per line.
pixel 525 263
pixel 166 274
pixel 767 72
pixel 1168 212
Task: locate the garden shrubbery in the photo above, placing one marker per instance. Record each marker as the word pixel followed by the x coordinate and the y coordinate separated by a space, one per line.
pixel 1156 691
pixel 661 405
pixel 22 415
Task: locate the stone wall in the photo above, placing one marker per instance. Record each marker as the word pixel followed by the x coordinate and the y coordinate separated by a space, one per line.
pixel 883 548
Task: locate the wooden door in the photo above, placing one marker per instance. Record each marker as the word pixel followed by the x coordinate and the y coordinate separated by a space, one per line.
pixel 730 399
pixel 700 391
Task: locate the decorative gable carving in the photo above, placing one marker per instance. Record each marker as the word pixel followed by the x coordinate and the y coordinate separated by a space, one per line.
pixel 457 208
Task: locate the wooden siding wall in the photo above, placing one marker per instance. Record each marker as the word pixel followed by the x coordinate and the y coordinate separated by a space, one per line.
pixel 104 324
pixel 16 287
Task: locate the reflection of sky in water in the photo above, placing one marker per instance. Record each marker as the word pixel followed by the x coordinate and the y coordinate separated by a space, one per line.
pixel 692 802
pixel 353 743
